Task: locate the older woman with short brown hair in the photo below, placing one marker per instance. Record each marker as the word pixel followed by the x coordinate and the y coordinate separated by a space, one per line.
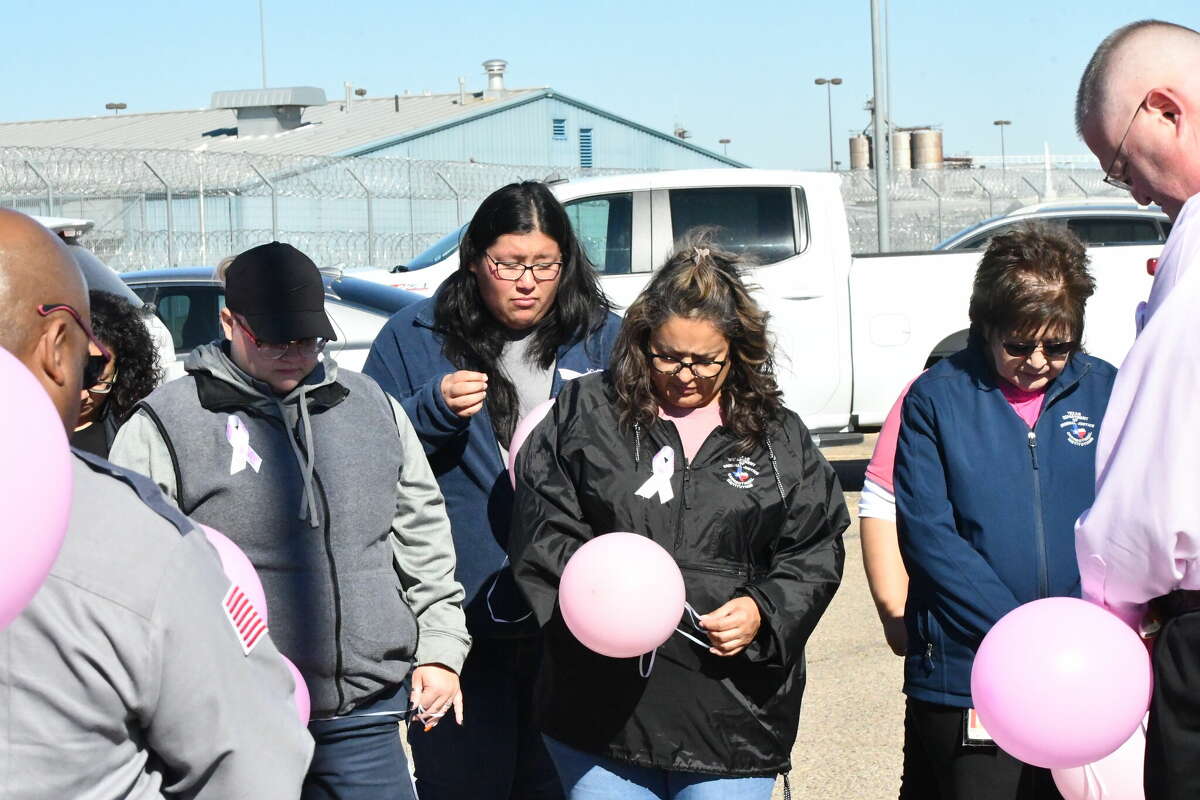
pixel 996 459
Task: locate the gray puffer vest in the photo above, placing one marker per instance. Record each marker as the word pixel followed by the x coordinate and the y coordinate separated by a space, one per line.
pixel 315 518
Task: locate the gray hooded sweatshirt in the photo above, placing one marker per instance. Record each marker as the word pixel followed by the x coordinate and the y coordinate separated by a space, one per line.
pixel 124 676
pixel 328 492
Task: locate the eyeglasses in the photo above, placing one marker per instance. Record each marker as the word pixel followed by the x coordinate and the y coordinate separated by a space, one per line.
pixel 1051 350
pixel 94 366
pixel 669 365
pixel 277 350
pixel 515 270
pixel 103 387
pixel 1120 181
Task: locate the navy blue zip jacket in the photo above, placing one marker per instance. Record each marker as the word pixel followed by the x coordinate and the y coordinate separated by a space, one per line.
pixel 406 359
pixel 987 507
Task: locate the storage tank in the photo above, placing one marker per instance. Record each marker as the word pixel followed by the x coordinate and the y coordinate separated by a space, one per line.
pixel 901 150
pixel 927 149
pixel 860 152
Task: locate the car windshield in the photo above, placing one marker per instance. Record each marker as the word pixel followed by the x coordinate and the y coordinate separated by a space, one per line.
pixel 442 249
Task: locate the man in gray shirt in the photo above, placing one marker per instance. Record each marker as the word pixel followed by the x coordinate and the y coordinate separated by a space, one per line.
pixel 124 677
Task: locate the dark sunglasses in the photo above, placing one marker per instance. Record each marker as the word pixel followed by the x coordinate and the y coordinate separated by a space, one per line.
pixel 1049 349
pixel 94 366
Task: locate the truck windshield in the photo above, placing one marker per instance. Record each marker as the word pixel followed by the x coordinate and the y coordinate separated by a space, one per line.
pixel 442 249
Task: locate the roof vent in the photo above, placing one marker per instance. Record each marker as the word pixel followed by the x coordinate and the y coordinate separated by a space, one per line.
pixel 494 67
pixel 265 112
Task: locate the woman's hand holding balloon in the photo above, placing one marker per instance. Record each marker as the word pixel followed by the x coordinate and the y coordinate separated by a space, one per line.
pixel 733 626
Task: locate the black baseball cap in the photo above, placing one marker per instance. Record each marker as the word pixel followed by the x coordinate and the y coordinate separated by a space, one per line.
pixel 279 291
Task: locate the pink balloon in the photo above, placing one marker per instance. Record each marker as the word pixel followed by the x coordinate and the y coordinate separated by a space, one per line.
pixel 1115 777
pixel 36 484
pixel 1060 682
pixel 524 427
pixel 238 569
pixel 621 594
pixel 303 702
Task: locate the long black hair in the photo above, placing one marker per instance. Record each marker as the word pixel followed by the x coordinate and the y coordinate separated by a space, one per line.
pixel 472 338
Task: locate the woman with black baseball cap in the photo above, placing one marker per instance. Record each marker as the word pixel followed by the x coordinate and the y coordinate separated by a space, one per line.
pixel 320 478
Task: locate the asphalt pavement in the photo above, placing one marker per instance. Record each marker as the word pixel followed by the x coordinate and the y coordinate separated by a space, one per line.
pixel 851 724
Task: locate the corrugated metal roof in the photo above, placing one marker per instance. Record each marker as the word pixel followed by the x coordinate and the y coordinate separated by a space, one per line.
pixel 328 129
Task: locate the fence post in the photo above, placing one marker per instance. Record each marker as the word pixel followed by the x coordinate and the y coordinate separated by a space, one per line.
pixel 1078 186
pixel 170 215
pixel 1031 186
pixel 991 213
pixel 939 206
pixel 457 198
pixel 229 211
pixel 412 229
pixel 370 219
pixel 274 204
pixel 203 228
pixel 46 183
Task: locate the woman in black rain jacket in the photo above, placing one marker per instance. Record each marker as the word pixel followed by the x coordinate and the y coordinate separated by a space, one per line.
pixel 753 517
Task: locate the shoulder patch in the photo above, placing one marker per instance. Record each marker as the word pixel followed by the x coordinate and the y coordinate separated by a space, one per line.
pixel 248 626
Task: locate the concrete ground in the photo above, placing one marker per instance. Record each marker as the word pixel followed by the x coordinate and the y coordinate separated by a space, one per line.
pixel 851 725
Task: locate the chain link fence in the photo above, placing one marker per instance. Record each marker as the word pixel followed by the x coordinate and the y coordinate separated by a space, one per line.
pixel 928 206
pixel 154 208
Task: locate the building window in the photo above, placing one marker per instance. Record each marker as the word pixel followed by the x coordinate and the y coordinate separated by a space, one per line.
pixel 560 130
pixel 585 147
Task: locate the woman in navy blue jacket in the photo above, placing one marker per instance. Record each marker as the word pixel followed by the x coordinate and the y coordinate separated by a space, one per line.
pixel 995 461
pixel 523 314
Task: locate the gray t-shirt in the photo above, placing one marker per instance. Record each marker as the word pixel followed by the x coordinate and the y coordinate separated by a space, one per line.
pixel 533 384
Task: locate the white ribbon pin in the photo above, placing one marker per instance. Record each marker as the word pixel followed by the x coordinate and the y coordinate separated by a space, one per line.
pixel 660 482
pixel 239 440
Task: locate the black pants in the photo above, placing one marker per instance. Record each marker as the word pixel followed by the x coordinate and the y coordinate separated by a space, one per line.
pixel 1173 736
pixel 938 767
pixel 360 757
pixel 498 753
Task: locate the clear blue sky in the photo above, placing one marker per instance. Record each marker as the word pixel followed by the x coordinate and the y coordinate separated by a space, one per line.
pixel 741 70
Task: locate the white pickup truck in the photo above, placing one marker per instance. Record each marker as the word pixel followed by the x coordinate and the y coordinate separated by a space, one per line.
pixel 851 331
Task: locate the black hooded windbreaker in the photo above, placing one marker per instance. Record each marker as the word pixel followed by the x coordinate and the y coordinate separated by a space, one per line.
pixel 731 533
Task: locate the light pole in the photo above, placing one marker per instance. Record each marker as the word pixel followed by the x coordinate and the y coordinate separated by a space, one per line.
pixel 1001 123
pixel 116 108
pixel 724 145
pixel 829 83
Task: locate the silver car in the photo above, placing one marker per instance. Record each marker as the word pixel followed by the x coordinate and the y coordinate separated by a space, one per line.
pixel 1097 224
pixel 189 301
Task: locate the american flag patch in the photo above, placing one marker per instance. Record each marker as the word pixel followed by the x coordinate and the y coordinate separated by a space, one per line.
pixel 247 624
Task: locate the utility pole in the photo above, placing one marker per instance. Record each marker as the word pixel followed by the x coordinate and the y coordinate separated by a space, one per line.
pixel 262 39
pixel 883 170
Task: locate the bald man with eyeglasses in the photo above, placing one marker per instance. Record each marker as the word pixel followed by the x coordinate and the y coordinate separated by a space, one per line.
pixel 1138 109
pixel 123 676
pixel 317 474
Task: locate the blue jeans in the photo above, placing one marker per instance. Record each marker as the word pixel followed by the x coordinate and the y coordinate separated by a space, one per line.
pixel 498 753
pixel 590 777
pixel 360 757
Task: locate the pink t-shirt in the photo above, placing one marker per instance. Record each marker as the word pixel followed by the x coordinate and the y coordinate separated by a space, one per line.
pixel 1028 405
pixel 694 424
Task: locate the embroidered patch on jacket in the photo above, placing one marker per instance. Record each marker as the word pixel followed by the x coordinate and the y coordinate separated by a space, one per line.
pixel 1080 431
pixel 247 624
pixel 742 473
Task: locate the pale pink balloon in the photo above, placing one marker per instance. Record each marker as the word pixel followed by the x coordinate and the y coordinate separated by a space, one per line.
pixel 1061 682
pixel 524 427
pixel 621 595
pixel 36 482
pixel 1115 777
pixel 303 702
pixel 238 569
